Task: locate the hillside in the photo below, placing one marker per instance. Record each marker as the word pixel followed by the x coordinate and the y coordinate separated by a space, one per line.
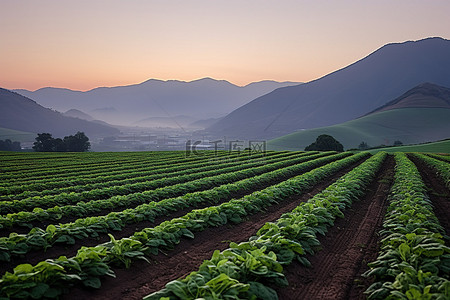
pixel 199 99
pixel 408 125
pixel 423 95
pixel 75 113
pixel 23 114
pixel 343 95
pixel 16 135
pixel 433 147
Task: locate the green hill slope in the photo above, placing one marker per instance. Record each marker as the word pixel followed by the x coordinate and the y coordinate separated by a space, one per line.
pixel 16 135
pixel 409 125
pixel 435 147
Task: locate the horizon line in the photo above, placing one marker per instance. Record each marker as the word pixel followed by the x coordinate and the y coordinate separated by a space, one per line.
pixel 154 79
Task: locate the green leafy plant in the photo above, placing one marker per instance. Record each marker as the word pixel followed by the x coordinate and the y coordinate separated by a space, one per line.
pixel 92 226
pixel 275 244
pixel 91 263
pixel 414 262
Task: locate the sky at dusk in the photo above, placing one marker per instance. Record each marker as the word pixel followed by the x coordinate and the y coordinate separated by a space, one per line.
pixel 84 44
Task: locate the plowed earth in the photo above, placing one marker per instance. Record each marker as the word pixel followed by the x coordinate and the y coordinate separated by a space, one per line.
pixel 438 193
pixel 142 278
pixel 335 271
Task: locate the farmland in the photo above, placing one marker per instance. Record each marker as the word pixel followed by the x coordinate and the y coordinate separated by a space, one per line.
pixel 230 225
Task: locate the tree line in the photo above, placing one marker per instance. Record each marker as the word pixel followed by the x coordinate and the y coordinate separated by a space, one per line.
pixel 8 145
pixel 72 143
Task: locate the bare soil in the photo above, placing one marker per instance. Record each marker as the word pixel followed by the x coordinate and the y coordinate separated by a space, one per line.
pixel 142 278
pixel 438 193
pixel 352 242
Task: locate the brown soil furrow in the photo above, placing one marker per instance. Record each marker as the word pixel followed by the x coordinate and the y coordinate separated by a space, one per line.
pixel 143 279
pixel 439 157
pixel 438 193
pixel 346 248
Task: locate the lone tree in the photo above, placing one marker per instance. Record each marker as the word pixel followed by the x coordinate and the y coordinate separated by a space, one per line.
pixel 325 142
pixel 398 143
pixel 363 146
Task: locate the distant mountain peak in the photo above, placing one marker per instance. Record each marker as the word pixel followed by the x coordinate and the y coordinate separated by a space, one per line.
pixel 429 89
pixel 419 41
pixel 424 95
pixel 204 79
pixel 76 113
pixel 201 99
pixel 21 113
pixel 342 95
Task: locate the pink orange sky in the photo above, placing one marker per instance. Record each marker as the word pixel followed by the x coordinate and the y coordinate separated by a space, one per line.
pixel 84 44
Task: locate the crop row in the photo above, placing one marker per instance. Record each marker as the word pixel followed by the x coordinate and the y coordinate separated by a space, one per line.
pixel 104 180
pixel 67 163
pixel 118 166
pixel 247 270
pixel 53 214
pixel 82 209
pixel 58 158
pixel 37 238
pixel 175 185
pixel 49 278
pixel 77 161
pixel 413 262
pixel 56 213
pixel 442 168
pixel 124 169
pixel 440 157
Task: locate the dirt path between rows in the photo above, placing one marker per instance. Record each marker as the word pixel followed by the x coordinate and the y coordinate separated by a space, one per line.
pixel 438 193
pixel 142 279
pixel 335 271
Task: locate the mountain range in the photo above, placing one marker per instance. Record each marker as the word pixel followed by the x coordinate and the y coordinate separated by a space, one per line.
pixel 420 115
pixel 128 105
pixel 23 114
pixel 343 95
pixel 355 103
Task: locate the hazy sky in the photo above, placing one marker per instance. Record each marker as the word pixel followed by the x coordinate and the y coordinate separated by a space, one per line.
pixel 84 44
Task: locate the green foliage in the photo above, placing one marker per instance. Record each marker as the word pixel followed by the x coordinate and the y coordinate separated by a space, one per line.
pixel 8 145
pixel 91 263
pixel 75 143
pixel 432 147
pixel 72 143
pixel 92 226
pixel 170 185
pixel 258 263
pixel 44 143
pixel 442 167
pixel 325 142
pixel 380 128
pixel 414 262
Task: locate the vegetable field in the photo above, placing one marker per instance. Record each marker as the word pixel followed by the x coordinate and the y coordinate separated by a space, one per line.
pixel 224 225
